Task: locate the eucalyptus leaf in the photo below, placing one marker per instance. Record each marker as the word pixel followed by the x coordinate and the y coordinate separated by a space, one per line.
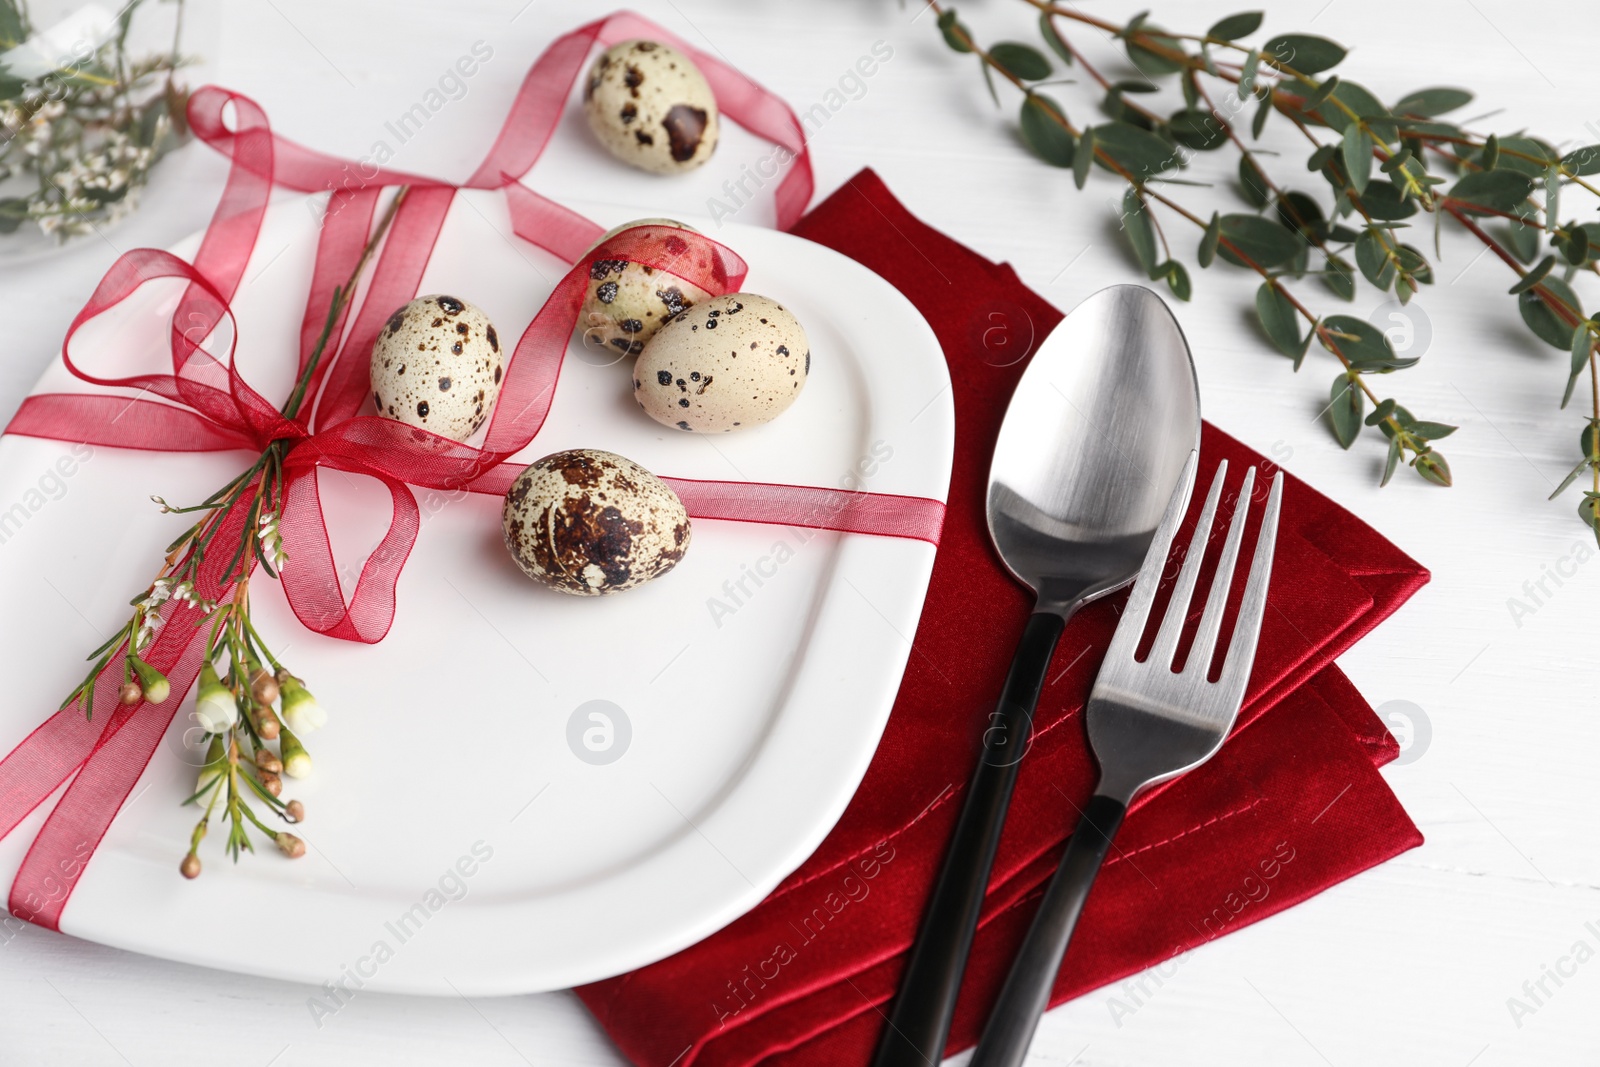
pixel 1357 100
pixel 1490 154
pixel 1236 26
pixel 1576 246
pixel 1582 343
pixel 1083 158
pixel 1321 93
pixel 1259 123
pixel 1364 345
pixel 1391 461
pixel 1247 73
pixel 1303 52
pixel 1252 183
pixel 1346 404
pixel 1432 467
pixel 1042 130
pixel 1583 162
pixel 1534 276
pixel 988 80
pixel 1523 241
pixel 1384 409
pixel 1491 190
pixel 1021 60
pixel 1140 230
pixel 1141 152
pixel 1340 277
pixel 1372 257
pixel 1525 155
pixel 1546 323
pixel 1384 202
pixel 1357 154
pixel 1177 279
pixel 13 212
pixel 1431 102
pixel 955 34
pixel 1279 319
pixel 1200 129
pixel 1208 241
pixel 1431 431
pixel 12 29
pixel 1300 213
pixel 1152 63
pixel 1047 30
pixel 1266 243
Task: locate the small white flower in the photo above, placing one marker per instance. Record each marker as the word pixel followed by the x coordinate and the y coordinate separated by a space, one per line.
pixel 301 712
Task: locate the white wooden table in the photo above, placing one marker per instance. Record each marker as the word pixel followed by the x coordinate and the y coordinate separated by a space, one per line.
pixel 1412 963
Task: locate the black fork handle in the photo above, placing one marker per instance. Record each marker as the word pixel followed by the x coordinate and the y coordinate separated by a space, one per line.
pixel 1026 994
pixel 919 1022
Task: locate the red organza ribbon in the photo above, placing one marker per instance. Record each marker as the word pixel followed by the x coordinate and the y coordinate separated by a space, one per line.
pixel 205 404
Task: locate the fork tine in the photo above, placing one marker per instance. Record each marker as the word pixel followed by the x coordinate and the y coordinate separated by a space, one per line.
pixel 1242 650
pixel 1125 641
pixel 1166 643
pixel 1205 638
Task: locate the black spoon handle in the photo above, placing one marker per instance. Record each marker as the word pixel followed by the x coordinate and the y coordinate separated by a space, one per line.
pixel 1026 994
pixel 920 1019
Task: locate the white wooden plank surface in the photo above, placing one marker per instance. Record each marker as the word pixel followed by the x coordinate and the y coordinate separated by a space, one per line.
pixel 1411 963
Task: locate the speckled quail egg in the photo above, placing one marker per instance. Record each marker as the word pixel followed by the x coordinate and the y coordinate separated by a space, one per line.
pixel 651 107
pixel 731 361
pixel 589 522
pixel 627 302
pixel 437 365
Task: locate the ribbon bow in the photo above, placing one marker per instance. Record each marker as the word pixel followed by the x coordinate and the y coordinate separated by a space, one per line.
pixel 204 404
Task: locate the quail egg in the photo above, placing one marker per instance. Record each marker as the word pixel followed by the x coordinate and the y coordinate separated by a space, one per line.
pixel 651 107
pixel 627 302
pixel 437 365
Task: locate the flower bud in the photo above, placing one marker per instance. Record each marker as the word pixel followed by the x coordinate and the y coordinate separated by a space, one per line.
pixel 190 867
pixel 214 768
pixel 130 693
pixel 267 725
pixel 301 712
pixel 264 687
pixel 268 762
pixel 296 761
pixel 214 704
pixel 153 682
pixel 295 810
pixel 289 845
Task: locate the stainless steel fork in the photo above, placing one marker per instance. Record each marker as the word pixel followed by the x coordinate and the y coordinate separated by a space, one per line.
pixel 1148 721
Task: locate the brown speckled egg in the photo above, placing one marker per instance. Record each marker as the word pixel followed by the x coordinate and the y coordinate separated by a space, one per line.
pixel 729 362
pixel 589 522
pixel 626 302
pixel 437 365
pixel 651 107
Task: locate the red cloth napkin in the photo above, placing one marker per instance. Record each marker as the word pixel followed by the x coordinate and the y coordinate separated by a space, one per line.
pixel 1292 804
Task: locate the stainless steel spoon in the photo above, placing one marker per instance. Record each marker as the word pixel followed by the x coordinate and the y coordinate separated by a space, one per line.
pixel 1094 442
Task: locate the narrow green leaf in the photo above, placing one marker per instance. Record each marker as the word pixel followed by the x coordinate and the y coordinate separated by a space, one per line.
pixel 1022 60
pixel 1494 190
pixel 1391 461
pixel 951 27
pixel 988 80
pixel 1357 154
pixel 1253 183
pixel 1259 123
pixel 1247 73
pixel 1346 404
pixel 1546 323
pixel 1042 130
pixel 1140 230
pixel 1278 319
pixel 1208 241
pixel 1084 158
pixel 1490 154
pixel 1431 102
pixel 1373 260
pixel 1236 26
pixel 1047 30
pixel 1432 431
pixel 1384 409
pixel 1534 276
pixel 1262 240
pixel 1321 93
pixel 1582 343
pixel 1572 476
pixel 1552 196
pixel 1304 53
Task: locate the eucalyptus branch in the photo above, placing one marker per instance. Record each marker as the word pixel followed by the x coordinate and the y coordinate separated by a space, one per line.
pixel 1377 167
